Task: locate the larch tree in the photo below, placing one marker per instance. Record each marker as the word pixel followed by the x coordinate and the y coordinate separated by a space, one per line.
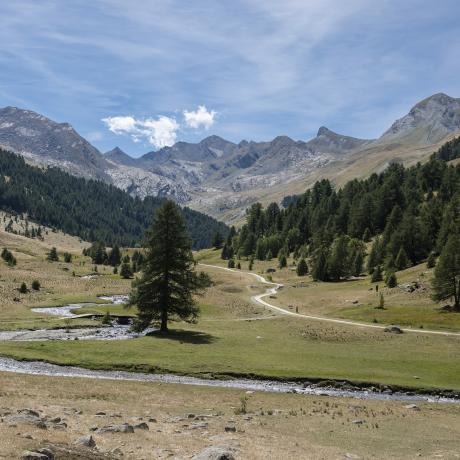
pixel 169 280
pixel 446 281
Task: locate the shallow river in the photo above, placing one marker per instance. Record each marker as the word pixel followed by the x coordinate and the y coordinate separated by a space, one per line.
pixel 121 332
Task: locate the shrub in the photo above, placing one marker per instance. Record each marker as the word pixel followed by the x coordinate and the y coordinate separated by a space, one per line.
pixel 67 257
pixel 302 268
pixel 36 285
pixel 391 280
pixel 23 288
pixel 231 263
pixel 125 271
pixel 53 255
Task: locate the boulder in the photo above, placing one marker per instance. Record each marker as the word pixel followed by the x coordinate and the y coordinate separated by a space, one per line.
pixel 28 417
pixel 393 329
pixel 215 453
pixel 123 428
pixel 141 426
pixel 87 441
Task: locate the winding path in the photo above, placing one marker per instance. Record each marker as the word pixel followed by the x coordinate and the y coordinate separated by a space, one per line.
pixel 258 299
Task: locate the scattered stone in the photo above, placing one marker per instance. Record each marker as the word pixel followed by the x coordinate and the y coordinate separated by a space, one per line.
pixel 56 420
pixel 27 417
pixel 123 428
pixel 358 422
pixel 215 453
pixel 199 426
pixel 393 329
pixel 32 455
pixel 87 441
pixel 230 428
pixel 48 452
pixel 152 420
pixel 353 456
pixel 141 426
pixel 99 414
pixel 412 407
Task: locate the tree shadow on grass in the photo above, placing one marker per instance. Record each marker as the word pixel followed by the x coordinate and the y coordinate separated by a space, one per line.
pixel 184 336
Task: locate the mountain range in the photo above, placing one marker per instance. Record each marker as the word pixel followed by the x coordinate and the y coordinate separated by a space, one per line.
pixel 222 178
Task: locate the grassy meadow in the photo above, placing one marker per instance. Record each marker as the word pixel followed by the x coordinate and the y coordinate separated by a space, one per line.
pixel 234 336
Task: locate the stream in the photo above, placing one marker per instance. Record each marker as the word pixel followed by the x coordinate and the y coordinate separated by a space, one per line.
pixel 43 368
pixel 123 332
pixel 108 332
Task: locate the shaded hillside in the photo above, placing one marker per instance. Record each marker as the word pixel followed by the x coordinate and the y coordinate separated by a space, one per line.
pixel 90 209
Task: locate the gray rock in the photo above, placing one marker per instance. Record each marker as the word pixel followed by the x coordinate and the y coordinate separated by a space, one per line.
pixel 87 441
pixel 230 428
pixel 393 329
pixel 123 428
pixel 26 417
pixel 32 455
pixel 412 407
pixel 215 453
pixel 141 426
pixel 48 452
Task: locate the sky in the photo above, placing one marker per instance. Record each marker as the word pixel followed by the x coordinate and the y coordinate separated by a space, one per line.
pixel 142 74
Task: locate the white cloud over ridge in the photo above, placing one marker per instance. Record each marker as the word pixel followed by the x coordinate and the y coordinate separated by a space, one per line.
pixel 201 117
pixel 160 132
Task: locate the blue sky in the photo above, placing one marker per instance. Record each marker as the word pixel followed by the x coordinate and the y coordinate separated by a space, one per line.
pixel 142 74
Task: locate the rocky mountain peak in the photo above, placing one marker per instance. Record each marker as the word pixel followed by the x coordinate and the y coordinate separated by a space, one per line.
pixel 429 121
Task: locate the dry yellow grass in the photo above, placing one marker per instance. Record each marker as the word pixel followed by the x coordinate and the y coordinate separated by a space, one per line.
pixel 276 426
pixel 58 285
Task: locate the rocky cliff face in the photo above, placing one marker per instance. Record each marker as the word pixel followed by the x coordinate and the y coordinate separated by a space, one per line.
pixel 218 176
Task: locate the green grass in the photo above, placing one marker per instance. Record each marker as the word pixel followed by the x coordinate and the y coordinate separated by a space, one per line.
pixel 286 348
pixel 426 317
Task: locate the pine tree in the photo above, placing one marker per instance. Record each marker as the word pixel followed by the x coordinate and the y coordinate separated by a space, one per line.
pixel 217 240
pixel 23 288
pixel 251 263
pixel 376 255
pixel 302 268
pixel 402 261
pixel 357 263
pixel 283 261
pixel 231 263
pixel 319 269
pixel 431 261
pixel 391 280
pixel 67 257
pixel 377 274
pixel 269 255
pixel 367 235
pixel 169 279
pixel 126 271
pixel 446 281
pixel 114 256
pixel 53 255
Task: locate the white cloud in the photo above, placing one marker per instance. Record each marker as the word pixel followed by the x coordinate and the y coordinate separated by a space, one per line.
pixel 160 132
pixel 201 117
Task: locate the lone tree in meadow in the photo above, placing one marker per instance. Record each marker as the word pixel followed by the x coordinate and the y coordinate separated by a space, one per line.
pixel 169 279
pixel 53 255
pixel 446 281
